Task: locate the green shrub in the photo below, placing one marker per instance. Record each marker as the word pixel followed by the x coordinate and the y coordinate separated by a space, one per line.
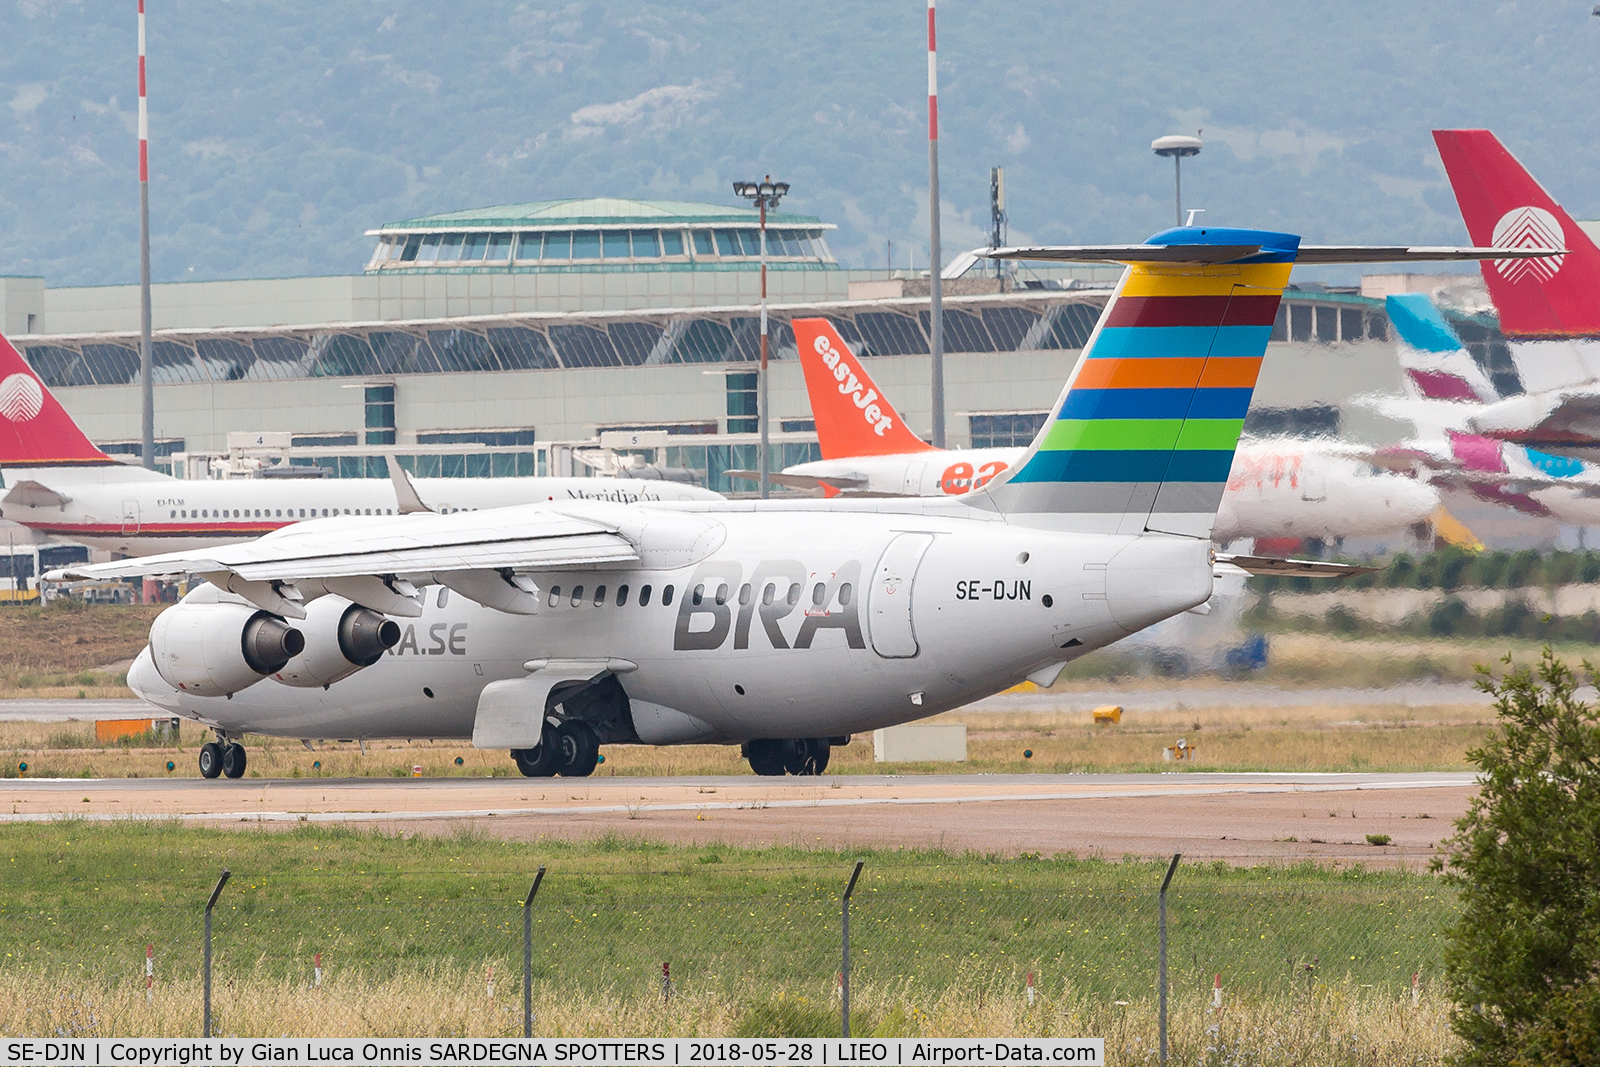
pixel 1522 958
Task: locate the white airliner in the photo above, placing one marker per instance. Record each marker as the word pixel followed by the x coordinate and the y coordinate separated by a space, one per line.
pixel 550 629
pixel 1278 487
pixel 57 482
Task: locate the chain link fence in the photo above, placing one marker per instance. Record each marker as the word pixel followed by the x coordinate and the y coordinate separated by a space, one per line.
pixel 708 949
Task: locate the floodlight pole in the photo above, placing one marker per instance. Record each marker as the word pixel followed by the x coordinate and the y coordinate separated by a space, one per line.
pixel 146 363
pixel 761 378
pixel 765 193
pixel 935 261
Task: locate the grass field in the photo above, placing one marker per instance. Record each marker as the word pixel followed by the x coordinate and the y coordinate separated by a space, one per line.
pixel 409 930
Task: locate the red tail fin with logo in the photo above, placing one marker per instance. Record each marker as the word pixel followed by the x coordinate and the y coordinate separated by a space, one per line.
pixel 1502 204
pixel 853 416
pixel 35 430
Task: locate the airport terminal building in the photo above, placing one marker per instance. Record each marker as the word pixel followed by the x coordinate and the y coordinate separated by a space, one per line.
pixel 498 341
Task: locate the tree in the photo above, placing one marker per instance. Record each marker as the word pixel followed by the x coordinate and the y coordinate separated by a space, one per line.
pixel 1523 961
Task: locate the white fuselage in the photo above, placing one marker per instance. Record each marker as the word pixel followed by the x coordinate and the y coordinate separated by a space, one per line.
pixel 1277 487
pixel 138 513
pixel 782 622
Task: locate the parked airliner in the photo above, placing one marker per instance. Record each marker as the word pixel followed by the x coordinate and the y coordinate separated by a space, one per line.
pixel 58 483
pixel 1277 487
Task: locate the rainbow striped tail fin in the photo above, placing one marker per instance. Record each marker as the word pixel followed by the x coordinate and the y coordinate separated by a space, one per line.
pixel 1143 436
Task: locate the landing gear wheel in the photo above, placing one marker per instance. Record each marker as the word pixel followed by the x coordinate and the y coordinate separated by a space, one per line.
pixel 538 762
pixel 796 755
pixel 817 752
pixel 765 756
pixel 233 761
pixel 577 749
pixel 210 759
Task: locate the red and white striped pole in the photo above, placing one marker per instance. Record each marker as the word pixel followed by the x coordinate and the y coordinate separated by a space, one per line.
pixel 935 260
pixel 149 973
pixel 146 368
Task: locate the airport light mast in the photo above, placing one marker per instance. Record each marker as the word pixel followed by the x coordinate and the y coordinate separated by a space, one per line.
pixel 146 364
pixel 764 194
pixel 1177 146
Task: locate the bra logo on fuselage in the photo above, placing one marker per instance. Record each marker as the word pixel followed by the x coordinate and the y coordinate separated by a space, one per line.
pixel 822 601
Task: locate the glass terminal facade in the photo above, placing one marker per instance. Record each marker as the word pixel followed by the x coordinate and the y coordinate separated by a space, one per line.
pixel 600 235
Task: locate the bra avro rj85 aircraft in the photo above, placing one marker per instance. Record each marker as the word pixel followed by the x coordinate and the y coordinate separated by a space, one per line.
pixel 57 482
pixel 550 629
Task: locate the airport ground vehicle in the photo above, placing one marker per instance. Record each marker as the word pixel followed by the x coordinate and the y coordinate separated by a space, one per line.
pixel 58 483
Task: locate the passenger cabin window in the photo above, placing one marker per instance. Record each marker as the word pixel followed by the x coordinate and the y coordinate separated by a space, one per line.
pixel 844 593
pixel 794 594
pixel 744 593
pixel 577 595
pixel 622 595
pixel 444 597
pixel 698 595
pixel 722 594
pixel 555 596
pixel 666 596
pixel 644 596
pixel 599 596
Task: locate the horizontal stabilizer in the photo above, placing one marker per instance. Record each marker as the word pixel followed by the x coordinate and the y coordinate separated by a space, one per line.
pixel 1291 568
pixel 29 493
pixel 1307 255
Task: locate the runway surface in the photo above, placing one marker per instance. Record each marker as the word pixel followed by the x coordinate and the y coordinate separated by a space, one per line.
pixel 1237 818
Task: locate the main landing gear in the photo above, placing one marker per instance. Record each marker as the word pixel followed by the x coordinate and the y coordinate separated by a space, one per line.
pixel 771 757
pixel 571 750
pixel 222 757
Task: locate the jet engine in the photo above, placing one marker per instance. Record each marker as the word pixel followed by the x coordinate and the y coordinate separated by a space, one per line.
pixel 341 638
pixel 218 649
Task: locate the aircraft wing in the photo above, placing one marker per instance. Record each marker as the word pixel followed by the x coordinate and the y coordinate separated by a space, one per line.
pixel 1307 254
pixel 369 560
pixel 1290 568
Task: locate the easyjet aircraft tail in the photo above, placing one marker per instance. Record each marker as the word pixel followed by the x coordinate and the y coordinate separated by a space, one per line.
pixel 1503 205
pixel 36 433
pixel 853 416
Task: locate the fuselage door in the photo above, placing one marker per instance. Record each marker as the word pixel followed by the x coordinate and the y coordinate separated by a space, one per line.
pixel 889 597
pixel 912 486
pixel 130 516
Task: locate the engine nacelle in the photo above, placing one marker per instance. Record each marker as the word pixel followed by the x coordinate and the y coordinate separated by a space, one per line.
pixel 340 639
pixel 215 650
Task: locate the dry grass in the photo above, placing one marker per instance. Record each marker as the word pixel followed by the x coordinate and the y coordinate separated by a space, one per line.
pixel 1328 737
pixel 1339 1024
pixel 58 651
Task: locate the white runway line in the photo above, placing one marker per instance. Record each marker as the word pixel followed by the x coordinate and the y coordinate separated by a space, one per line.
pixel 1183 792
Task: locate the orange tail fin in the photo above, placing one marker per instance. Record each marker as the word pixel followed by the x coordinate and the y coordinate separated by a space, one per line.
pixel 853 416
